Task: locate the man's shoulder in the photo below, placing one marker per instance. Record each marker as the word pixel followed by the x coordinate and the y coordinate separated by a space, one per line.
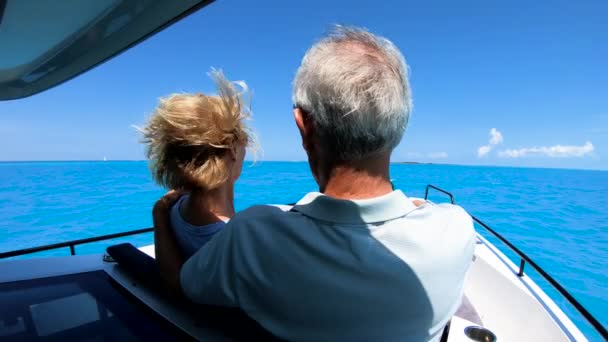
pixel 444 209
pixel 265 210
pixel 260 213
pixel 452 210
pixel 450 215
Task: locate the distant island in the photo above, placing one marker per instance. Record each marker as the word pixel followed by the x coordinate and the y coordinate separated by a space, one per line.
pixel 414 163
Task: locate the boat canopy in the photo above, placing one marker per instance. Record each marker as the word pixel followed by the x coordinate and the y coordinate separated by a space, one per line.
pixel 44 43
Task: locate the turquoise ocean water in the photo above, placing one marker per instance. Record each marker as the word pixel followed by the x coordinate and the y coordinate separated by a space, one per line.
pixel 558 217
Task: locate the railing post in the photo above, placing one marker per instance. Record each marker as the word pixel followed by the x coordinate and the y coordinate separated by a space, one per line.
pixel 522 263
pixel 72 250
pixel 430 186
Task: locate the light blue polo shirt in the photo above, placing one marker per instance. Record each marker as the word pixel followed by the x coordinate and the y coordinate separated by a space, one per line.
pixel 378 269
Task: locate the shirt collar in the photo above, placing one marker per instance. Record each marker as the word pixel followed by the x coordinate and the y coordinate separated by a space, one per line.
pixel 379 209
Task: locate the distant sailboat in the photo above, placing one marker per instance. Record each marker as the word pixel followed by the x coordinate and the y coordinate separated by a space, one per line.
pixel 105 159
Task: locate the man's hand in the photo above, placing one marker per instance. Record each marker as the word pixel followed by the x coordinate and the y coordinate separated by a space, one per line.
pixel 419 203
pixel 162 208
pixel 168 255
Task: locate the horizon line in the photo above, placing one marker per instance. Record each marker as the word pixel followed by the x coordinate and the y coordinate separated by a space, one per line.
pixel 413 163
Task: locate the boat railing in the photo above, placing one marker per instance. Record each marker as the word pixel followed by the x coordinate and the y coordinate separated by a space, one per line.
pixel 73 243
pixel 523 259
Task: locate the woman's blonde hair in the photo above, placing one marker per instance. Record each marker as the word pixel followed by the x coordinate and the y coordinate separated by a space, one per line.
pixel 188 136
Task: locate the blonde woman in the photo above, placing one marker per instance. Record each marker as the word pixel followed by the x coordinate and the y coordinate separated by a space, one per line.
pixel 196 143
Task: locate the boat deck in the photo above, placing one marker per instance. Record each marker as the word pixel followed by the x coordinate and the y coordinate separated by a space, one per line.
pixel 513 307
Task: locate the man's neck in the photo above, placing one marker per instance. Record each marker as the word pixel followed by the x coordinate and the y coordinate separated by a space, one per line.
pixel 208 207
pixel 361 179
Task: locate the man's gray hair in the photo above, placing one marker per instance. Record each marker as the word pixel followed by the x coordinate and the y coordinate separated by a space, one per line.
pixel 354 86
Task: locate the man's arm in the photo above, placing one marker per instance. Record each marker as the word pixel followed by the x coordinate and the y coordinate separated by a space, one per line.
pixel 168 255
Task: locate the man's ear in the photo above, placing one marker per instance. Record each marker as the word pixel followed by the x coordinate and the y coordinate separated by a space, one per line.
pixel 304 126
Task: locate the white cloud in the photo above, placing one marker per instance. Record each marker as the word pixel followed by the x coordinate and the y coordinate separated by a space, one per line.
pixel 556 151
pixel 482 151
pixel 495 139
pixel 438 155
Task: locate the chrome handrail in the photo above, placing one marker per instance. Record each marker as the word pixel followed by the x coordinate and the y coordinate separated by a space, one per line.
pixel 523 259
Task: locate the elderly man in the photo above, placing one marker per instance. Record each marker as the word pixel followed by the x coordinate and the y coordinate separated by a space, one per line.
pixel 356 260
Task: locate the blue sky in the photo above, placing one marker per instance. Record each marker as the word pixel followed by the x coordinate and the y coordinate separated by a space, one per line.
pixel 536 72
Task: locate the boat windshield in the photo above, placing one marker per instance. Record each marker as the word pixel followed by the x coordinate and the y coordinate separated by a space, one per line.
pixel 66 38
pixel 76 307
